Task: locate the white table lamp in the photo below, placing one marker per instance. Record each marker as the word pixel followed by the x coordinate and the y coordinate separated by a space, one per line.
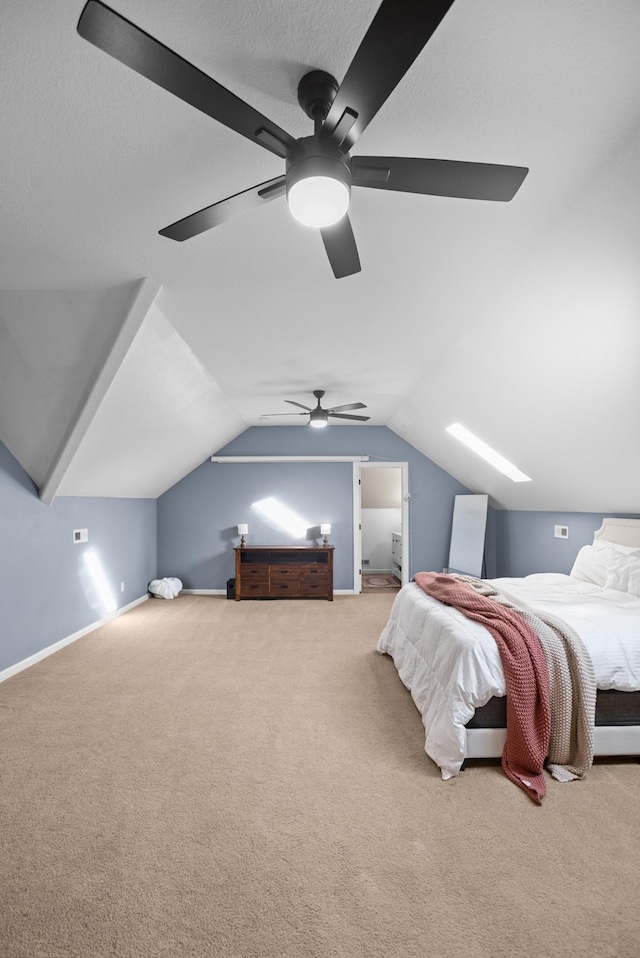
pixel 243 530
pixel 325 530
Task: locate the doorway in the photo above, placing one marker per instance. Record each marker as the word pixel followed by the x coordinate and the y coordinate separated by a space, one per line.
pixel 381 528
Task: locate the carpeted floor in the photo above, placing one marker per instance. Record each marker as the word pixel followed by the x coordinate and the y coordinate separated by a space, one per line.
pixel 211 779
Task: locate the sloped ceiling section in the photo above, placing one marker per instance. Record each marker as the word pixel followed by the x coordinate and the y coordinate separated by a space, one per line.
pixel 100 396
pixel 54 345
pixel 161 417
pixel 553 380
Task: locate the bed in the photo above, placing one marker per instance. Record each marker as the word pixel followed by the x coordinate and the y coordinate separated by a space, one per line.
pixel 451 664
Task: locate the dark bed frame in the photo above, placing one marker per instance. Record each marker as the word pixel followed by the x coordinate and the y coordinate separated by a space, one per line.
pixel 613 708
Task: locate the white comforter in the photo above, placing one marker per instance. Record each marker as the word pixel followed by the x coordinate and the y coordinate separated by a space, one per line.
pixel 452 666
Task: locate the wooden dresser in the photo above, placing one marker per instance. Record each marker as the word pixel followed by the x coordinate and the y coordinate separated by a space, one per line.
pixel 284 572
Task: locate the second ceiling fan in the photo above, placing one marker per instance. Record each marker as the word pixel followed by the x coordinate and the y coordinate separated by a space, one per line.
pixel 319 417
pixel 319 171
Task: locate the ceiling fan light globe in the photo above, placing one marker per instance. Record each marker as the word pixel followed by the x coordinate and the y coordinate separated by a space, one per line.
pixel 318 200
pixel 318 418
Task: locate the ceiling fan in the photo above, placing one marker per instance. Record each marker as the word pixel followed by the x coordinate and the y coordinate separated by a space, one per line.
pixel 319 171
pixel 319 417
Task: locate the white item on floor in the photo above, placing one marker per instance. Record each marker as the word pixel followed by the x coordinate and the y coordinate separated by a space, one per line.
pixel 165 588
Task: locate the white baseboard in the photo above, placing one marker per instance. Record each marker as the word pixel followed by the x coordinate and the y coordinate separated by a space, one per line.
pixel 50 649
pixel 203 591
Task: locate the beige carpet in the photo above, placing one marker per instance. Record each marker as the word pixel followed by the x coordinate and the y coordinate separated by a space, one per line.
pixel 247 780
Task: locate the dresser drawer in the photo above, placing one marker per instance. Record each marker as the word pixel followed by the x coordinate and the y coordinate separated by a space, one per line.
pixel 254 588
pixel 283 573
pixel 314 569
pixel 255 573
pixel 284 587
pixel 312 587
pixel 319 577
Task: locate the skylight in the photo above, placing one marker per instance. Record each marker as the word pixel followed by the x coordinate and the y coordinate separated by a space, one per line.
pixel 491 456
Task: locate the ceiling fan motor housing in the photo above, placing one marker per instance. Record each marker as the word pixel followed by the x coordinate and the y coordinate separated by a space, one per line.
pixel 316 92
pixel 318 417
pixel 312 157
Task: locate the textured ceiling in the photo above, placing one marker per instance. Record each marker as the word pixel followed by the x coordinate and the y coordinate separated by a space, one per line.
pixel 520 320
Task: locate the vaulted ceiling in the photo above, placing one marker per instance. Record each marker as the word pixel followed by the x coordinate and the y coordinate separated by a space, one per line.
pixel 127 358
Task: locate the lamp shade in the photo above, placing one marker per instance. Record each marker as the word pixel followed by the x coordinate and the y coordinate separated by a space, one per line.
pixel 243 529
pixel 325 528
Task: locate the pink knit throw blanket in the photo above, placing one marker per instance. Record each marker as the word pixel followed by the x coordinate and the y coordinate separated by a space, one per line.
pixel 526 678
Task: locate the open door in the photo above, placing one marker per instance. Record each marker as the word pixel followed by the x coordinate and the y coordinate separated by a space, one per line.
pixel 381 520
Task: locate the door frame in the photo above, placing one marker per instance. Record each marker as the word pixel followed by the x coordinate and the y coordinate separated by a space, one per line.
pixel 357 517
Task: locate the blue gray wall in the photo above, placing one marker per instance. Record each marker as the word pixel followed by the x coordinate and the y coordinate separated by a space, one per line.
pixel 525 543
pixel 197 518
pixel 48 589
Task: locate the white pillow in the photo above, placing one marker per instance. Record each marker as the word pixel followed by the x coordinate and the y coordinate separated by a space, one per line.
pixel 591 565
pixel 616 546
pixel 624 573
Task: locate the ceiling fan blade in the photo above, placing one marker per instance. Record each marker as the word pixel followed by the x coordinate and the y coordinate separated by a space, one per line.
pixel 339 415
pixel 473 181
pixel 224 210
pixel 341 248
pixel 308 408
pixel 127 43
pixel 351 405
pixel 398 32
pixel 272 415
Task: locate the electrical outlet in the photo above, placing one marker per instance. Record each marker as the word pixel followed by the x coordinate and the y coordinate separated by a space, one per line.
pixel 80 535
pixel 561 532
